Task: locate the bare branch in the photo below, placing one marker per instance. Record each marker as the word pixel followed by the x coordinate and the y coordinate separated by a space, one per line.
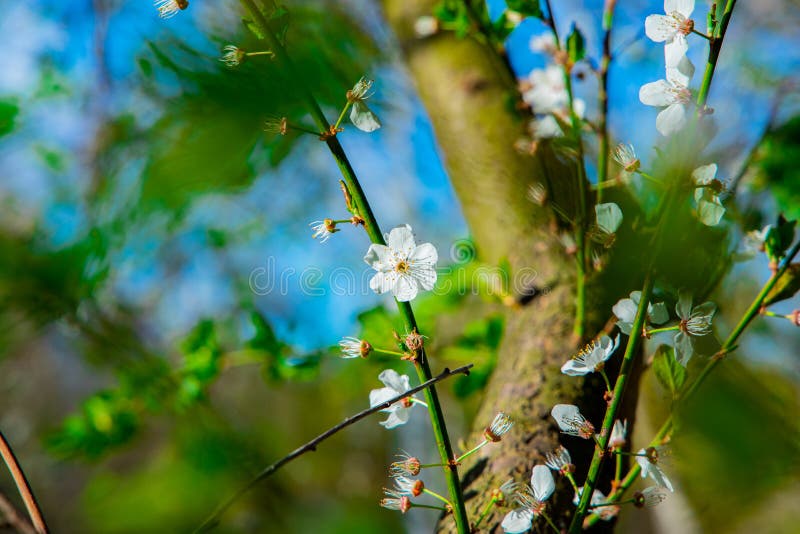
pixel 210 523
pixel 24 488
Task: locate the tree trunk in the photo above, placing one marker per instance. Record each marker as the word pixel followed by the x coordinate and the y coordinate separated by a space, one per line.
pixel 469 93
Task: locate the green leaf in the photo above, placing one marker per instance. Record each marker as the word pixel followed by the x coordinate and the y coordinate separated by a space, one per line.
pixel 779 238
pixel 576 45
pixel 253 27
pixel 529 8
pixel 9 109
pixel 670 373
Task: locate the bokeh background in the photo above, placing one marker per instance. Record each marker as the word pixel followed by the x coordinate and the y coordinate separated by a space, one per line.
pixel 168 326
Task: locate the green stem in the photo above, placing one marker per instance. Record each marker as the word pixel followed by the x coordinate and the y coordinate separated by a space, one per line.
pixel 580 222
pixel 436 495
pixel 608 421
pixel 715 45
pixel 550 522
pixel 571 479
pixel 384 352
pixel 373 231
pixel 472 450
pixel 264 53
pixel 485 512
pixel 602 99
pixel 429 507
pixel 605 377
pixel 701 34
pixel 664 329
pixel 341 115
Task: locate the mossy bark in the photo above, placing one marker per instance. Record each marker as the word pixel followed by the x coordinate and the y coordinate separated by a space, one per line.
pixel 470 96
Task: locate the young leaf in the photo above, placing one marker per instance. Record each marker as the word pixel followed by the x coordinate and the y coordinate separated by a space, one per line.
pixel 670 373
pixel 779 238
pixel 529 8
pixel 576 45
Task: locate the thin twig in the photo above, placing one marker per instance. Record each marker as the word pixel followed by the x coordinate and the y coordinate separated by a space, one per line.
pixel 13 518
pixel 23 486
pixel 311 446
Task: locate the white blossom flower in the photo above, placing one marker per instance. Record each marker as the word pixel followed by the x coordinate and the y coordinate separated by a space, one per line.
pixel 323 229
pixel 570 421
pixel 673 95
pixel 618 434
pixel 406 465
pixel 547 92
pixel 403 266
pixel 559 460
pixel 544 42
pixel 501 424
pixel 396 384
pixel 170 8
pixel 625 311
pixel 395 501
pixel 360 115
pixel 709 206
pixel 531 501
pixel 408 486
pixel 507 489
pixel 648 461
pixel 625 155
pixel 672 29
pixel 752 243
pixel 606 513
pixel 354 348
pixel 592 358
pixel 649 497
pixel 694 322
pixel 426 26
pixel 232 56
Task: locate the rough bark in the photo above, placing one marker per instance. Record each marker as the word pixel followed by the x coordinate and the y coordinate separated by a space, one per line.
pixel 469 94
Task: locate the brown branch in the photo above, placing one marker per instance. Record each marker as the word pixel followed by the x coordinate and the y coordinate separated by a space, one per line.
pixel 23 486
pixel 213 520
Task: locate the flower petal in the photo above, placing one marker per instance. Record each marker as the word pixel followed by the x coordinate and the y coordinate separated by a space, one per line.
pixel 710 212
pixel 381 395
pixel 542 483
pixel 609 217
pixel 656 94
pixel 396 418
pixel 683 348
pixel 517 521
pixel 383 282
pixel 659 313
pixel 424 253
pixel 684 7
pixel 379 257
pixel 363 118
pixel 575 368
pixel 401 240
pixel 675 53
pixel 705 174
pixel 425 276
pixel 684 305
pixel 659 28
pixel 395 380
pixel 625 310
pixel 671 119
pixel 405 289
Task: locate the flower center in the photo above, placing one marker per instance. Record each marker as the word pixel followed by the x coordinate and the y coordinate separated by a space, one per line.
pixel 402 266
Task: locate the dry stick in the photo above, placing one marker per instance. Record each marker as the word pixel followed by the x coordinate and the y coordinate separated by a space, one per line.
pixel 13 518
pixel 23 486
pixel 311 446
